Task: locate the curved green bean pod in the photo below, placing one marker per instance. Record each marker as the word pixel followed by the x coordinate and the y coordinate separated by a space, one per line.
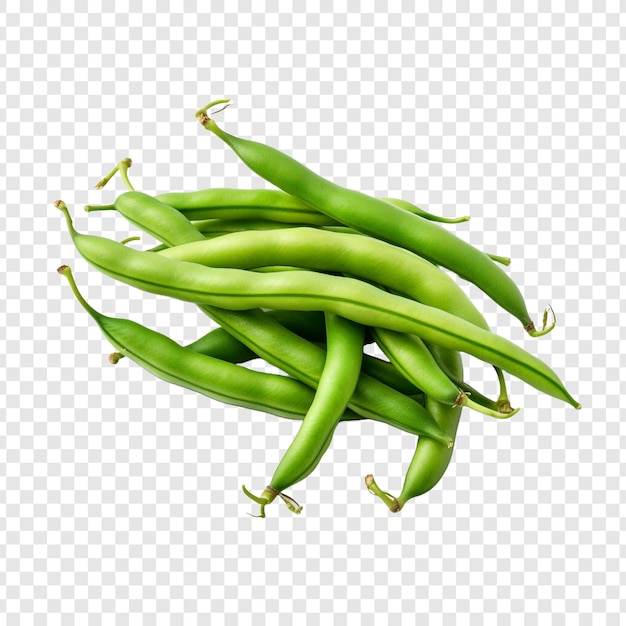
pixel 305 361
pixel 237 198
pixel 411 357
pixel 222 345
pixel 430 460
pixel 370 259
pixel 356 300
pixel 412 208
pixel 396 268
pixel 215 202
pixel 153 217
pixel 380 219
pixel 223 226
pixel 334 391
pixel 235 204
pixel 214 377
pixel 173 224
pixel 220 380
pixel 217 227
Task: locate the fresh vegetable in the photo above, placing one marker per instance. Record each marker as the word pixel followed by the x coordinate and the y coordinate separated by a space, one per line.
pixel 304 277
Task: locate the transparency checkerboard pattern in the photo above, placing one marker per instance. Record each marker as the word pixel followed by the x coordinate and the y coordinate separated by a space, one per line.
pixel 120 495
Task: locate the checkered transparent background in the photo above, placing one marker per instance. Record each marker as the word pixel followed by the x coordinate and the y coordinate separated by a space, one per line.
pixel 120 499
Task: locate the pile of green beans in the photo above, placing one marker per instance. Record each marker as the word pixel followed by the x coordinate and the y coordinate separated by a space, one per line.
pixel 313 278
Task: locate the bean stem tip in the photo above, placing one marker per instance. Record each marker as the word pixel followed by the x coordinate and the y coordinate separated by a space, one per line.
pixel 260 501
pixel 121 167
pixel 115 357
pixel 391 501
pixel 546 328
pixel 202 115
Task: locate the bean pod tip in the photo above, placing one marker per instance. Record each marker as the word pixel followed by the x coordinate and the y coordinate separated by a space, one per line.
pixel 546 328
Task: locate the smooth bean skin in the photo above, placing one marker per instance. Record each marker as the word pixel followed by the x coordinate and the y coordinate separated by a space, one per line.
pixel 235 204
pixel 379 219
pixel 309 325
pixel 412 208
pixel 225 381
pixel 220 380
pixel 300 290
pixel 370 259
pixel 430 462
pixel 194 203
pixel 155 218
pixel 239 322
pixel 220 344
pixel 213 227
pixel 412 358
pixel 305 361
pixel 335 388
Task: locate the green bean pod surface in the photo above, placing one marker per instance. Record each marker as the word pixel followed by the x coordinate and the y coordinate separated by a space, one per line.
pixel 411 357
pixel 220 380
pixel 305 361
pixel 152 217
pixel 430 460
pixel 301 290
pixel 370 259
pixel 336 385
pixel 219 343
pixel 233 204
pixel 379 219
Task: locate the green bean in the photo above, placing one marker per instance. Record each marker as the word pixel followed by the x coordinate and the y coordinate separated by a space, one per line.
pixel 237 198
pixel 235 204
pixel 412 208
pixel 430 460
pixel 213 202
pixel 379 219
pixel 503 260
pixel 369 259
pixel 187 202
pixel 154 216
pixel 226 382
pixel 230 204
pixel 399 269
pixel 222 345
pixel 305 361
pixel 222 226
pixel 307 324
pixel 220 201
pixel 411 357
pixel 216 227
pixel 335 387
pixel 363 303
pixel 171 223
